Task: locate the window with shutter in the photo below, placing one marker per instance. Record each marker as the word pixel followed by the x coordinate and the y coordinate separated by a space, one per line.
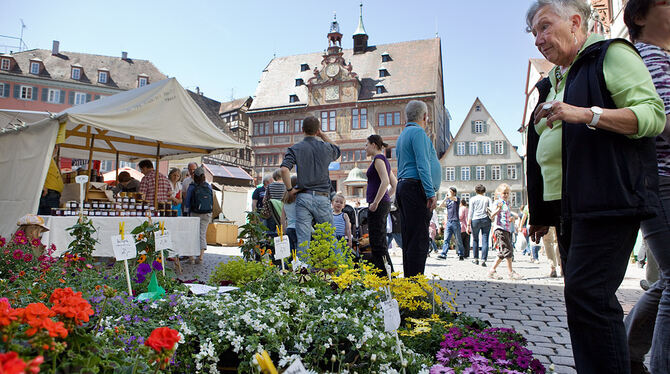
pixel 62 97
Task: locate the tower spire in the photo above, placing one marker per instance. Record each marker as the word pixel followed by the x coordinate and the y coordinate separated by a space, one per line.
pixel 360 30
pixel 360 36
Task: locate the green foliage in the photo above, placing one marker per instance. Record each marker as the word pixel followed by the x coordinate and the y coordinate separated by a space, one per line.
pixel 82 232
pixel 253 237
pixel 325 252
pixel 238 271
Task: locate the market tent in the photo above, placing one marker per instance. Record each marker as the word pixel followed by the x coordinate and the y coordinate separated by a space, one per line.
pixel 110 176
pixel 157 121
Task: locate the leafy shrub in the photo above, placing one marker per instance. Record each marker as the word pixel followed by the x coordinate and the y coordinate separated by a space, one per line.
pixel 238 271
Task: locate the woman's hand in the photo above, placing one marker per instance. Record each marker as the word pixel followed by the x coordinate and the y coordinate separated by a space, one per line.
pixel 373 207
pixel 560 111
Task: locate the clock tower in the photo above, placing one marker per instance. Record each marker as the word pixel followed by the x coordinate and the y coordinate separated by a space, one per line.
pixel 335 81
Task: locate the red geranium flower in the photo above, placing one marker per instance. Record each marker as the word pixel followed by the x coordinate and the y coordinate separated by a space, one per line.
pixel 70 304
pixel 7 314
pixel 162 338
pixel 11 363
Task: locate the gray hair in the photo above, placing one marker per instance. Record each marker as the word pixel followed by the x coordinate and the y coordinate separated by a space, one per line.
pixel 564 9
pixel 276 175
pixel 415 110
pixel 267 178
pixel 192 163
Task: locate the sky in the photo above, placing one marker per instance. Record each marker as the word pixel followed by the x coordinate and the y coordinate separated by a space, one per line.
pixel 223 46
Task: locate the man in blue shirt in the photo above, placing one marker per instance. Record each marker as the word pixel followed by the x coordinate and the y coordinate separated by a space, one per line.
pixel 419 178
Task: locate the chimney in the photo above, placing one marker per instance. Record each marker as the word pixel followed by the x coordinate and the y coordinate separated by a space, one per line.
pixel 54 47
pixel 197 90
pixel 124 55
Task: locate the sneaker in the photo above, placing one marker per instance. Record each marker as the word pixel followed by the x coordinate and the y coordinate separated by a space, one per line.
pixel 475 261
pixel 515 276
pixel 483 264
pixel 644 284
pixel 441 257
pixel 460 258
pixel 553 273
pixel 494 275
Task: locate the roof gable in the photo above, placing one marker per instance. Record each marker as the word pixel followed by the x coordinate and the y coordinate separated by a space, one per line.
pixel 123 74
pixel 413 69
pixel 465 131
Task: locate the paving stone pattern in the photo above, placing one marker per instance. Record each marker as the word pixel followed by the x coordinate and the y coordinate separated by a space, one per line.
pixel 533 306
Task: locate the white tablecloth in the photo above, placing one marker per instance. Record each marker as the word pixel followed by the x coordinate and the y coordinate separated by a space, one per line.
pixel 184 231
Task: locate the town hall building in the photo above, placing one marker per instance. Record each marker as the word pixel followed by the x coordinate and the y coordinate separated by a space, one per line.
pixel 355 93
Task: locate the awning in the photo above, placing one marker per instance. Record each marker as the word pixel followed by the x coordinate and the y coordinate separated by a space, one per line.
pixel 222 171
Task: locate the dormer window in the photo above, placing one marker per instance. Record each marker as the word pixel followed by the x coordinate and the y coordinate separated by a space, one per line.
pixel 34 67
pixel 299 82
pixel 386 57
pixel 383 73
pixel 304 66
pixel 76 73
pixel 380 89
pixel 293 98
pixel 103 76
pixel 142 80
pixel 4 64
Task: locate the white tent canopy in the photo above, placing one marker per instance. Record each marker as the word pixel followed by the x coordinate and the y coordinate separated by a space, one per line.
pixel 159 120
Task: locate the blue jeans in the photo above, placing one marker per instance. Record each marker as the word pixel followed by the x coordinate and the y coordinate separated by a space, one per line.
pixel 482 225
pixel 394 236
pixel 310 207
pixel 648 324
pixel 453 229
pixel 535 251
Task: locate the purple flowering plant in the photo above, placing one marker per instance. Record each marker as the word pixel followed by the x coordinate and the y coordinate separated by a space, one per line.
pixel 466 350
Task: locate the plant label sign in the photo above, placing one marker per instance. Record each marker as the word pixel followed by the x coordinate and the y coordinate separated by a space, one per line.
pixel 282 247
pixel 124 249
pixel 296 368
pixel 391 315
pixel 163 241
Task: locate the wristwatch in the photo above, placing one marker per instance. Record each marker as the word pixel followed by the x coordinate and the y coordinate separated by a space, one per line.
pixel 597 111
pixel 289 189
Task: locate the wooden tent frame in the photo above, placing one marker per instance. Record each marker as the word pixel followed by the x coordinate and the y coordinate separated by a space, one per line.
pixel 90 137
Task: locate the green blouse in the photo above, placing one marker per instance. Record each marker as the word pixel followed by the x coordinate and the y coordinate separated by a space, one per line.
pixel 630 84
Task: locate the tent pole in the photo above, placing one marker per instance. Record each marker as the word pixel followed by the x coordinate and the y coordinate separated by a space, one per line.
pixel 117 169
pixel 158 158
pixel 90 166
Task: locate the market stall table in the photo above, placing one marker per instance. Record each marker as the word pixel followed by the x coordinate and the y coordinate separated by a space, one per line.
pixel 184 231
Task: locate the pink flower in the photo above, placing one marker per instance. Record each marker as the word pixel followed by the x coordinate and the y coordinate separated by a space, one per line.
pixel 28 257
pixel 18 254
pixel 2 241
pixel 36 242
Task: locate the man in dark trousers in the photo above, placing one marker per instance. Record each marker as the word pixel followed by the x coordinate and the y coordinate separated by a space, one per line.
pixel 419 177
pixel 311 156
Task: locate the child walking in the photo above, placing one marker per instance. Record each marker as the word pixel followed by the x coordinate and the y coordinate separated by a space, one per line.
pixel 341 220
pixel 502 226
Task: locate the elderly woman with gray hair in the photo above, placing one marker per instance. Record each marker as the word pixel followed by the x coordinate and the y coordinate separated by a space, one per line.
pixel 591 170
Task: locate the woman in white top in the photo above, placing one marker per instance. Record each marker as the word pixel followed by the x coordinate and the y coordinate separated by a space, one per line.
pixel 175 196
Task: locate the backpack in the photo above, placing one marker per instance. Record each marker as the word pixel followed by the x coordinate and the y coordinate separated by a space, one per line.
pixel 202 200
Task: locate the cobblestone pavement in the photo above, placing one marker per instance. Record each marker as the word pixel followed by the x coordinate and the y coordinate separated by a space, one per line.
pixel 533 306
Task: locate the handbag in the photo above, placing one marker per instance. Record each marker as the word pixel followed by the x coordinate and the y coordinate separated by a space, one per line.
pixel 266 209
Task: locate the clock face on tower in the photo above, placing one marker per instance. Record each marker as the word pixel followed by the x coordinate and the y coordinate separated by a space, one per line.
pixel 332 70
pixel 332 93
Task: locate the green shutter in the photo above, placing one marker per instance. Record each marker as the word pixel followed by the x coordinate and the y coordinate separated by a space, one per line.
pixel 62 96
pixel 17 91
pixel 36 91
pixel 96 97
pixel 88 98
pixel 485 127
pixel 45 94
pixel 472 127
pixel 455 146
pixel 487 174
pixel 71 98
pixel 6 93
pixel 503 172
pixel 505 148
